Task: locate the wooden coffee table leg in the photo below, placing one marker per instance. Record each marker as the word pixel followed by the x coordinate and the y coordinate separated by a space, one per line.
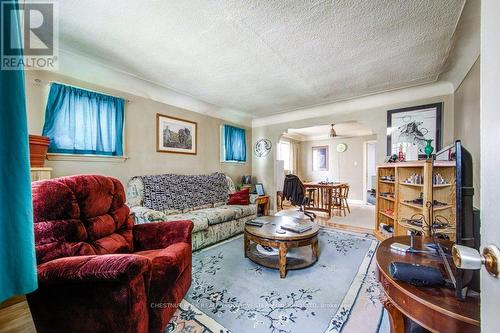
pixel 246 244
pixel 315 248
pixel 282 259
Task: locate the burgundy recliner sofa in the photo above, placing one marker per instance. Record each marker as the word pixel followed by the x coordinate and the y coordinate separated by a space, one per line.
pixel 97 272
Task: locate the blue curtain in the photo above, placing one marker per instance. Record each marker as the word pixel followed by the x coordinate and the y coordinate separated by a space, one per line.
pixel 235 144
pixel 79 121
pixel 17 249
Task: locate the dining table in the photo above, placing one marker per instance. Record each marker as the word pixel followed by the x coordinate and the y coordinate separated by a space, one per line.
pixel 321 195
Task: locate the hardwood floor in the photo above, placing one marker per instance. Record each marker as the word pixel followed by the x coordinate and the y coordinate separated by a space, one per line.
pixel 324 220
pixel 16 318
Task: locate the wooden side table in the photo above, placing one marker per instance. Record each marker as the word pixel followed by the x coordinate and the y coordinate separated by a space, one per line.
pixel 262 203
pixel 435 309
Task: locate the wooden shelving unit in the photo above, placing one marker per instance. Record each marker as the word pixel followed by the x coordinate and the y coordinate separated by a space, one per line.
pixel 383 205
pixel 387 198
pixel 414 185
pixel 393 210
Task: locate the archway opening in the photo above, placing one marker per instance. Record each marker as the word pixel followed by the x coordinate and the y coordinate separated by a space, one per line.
pixel 315 156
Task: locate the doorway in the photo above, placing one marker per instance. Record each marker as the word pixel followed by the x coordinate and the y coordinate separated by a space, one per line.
pixel 369 171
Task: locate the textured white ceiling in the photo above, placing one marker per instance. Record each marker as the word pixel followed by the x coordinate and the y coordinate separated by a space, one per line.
pixel 265 57
pixel 320 132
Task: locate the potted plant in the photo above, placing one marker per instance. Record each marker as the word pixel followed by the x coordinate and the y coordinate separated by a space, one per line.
pixel 38 150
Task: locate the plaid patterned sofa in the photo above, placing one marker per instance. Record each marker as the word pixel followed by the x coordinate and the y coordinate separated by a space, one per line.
pixel 199 198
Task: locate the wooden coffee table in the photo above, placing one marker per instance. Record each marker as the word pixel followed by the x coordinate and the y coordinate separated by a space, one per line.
pixel 267 236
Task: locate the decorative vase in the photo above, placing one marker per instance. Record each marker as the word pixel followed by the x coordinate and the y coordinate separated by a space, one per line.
pixel 428 149
pixel 38 150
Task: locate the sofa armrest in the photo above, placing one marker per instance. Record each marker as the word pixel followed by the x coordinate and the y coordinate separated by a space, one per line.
pixel 109 268
pixel 135 192
pixel 146 215
pixel 152 236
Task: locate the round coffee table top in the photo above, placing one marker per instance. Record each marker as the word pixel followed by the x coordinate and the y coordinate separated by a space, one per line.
pixel 268 230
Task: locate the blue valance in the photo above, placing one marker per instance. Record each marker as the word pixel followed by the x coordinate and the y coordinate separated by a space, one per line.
pixel 79 121
pixel 235 144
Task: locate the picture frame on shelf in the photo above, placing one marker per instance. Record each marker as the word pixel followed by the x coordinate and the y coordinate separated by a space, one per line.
pixel 259 188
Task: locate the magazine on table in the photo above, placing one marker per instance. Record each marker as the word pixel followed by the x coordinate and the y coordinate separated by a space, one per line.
pixel 298 228
pixel 257 222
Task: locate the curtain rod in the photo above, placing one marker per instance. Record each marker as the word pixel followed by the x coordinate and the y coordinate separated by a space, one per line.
pixel 74 86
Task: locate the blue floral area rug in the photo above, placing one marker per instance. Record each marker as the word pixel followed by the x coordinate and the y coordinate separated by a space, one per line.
pixel 230 293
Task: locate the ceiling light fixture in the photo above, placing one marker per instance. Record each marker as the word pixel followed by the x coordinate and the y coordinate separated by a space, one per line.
pixel 332 132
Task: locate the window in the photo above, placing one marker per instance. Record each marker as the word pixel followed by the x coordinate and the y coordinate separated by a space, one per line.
pixel 79 121
pixel 284 154
pixel 234 146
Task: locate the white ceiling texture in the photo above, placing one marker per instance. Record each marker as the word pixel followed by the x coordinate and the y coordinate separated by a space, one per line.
pixel 322 132
pixel 266 57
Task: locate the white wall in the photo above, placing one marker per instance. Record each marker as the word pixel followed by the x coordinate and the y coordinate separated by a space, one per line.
pixel 371 165
pixel 140 136
pixel 467 115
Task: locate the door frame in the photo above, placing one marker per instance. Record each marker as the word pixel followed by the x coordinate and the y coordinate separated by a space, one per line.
pixel 365 167
pixel 490 159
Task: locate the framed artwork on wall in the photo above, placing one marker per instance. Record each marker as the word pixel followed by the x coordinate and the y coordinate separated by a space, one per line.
pixel 320 158
pixel 262 147
pixel 414 126
pixel 175 135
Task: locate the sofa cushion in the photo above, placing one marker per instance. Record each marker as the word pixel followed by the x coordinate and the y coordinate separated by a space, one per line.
pixel 216 215
pixel 239 198
pixel 190 209
pixel 200 222
pixel 173 211
pixel 241 210
pixel 146 215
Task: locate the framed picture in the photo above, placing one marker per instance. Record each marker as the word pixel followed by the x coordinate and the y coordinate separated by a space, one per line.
pixel 246 180
pixel 175 135
pixel 320 158
pixel 259 188
pixel 413 126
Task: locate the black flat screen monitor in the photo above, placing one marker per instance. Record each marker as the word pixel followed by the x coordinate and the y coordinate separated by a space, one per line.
pixel 467 220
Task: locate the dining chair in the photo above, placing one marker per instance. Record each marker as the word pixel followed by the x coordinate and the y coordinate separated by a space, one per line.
pixel 311 193
pixel 336 202
pixel 340 195
pixel 344 195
